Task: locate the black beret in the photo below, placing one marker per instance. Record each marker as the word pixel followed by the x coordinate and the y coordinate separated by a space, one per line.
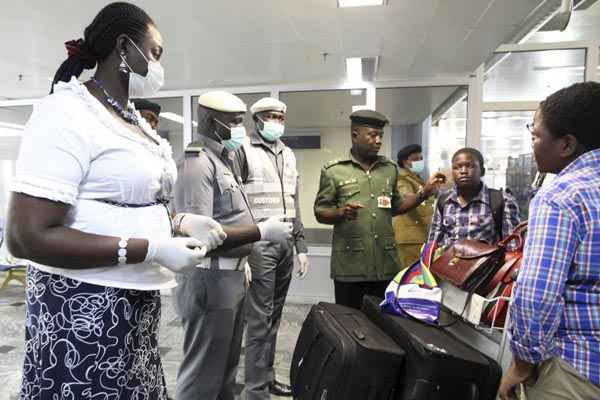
pixel 143 104
pixel 369 117
pixel 406 151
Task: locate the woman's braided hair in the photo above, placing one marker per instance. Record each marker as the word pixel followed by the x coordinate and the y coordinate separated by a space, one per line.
pixel 100 36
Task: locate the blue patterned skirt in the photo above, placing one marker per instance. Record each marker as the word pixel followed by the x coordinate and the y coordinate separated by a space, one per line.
pixel 85 341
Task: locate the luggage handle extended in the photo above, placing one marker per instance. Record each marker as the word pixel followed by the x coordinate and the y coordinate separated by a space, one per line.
pixel 359 335
pixel 446 325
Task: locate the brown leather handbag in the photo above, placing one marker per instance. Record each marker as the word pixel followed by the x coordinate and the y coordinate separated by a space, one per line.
pixel 469 264
pixel 503 281
pixel 512 258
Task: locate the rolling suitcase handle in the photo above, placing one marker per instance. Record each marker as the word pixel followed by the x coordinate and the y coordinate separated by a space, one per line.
pixel 359 335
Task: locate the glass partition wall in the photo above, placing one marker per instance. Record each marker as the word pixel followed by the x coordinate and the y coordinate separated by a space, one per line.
pixel 513 86
pixel 319 117
pixel 435 115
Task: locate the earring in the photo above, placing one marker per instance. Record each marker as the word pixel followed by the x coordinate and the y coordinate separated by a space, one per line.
pixel 123 66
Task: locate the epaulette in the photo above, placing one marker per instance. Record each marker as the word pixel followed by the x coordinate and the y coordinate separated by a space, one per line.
pixel 331 163
pixel 194 148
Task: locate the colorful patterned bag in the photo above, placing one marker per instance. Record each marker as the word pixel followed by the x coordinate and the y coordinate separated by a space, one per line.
pixel 414 292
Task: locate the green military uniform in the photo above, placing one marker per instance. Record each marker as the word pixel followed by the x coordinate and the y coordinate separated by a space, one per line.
pixel 363 249
pixel 412 227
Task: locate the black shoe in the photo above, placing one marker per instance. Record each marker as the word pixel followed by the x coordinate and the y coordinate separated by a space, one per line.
pixel 280 389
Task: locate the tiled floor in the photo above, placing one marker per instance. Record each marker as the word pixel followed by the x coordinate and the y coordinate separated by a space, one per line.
pixel 12 314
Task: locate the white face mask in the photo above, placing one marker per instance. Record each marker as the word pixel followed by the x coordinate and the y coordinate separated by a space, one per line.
pixel 145 86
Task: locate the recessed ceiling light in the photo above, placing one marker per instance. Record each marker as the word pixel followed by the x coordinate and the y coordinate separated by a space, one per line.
pixel 359 107
pixel 10 125
pixel 172 117
pixel 175 118
pixel 360 3
pixel 356 92
pixel 354 69
pixel 361 69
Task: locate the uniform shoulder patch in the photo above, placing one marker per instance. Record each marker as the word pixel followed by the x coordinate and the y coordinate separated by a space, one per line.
pixel 191 149
pixel 331 163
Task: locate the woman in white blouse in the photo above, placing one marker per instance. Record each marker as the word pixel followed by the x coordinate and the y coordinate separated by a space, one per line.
pixel 89 210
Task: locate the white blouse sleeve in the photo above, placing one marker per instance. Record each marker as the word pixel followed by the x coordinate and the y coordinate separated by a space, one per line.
pixel 55 152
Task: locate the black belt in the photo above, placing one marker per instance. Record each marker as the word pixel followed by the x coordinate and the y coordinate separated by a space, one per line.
pixel 129 205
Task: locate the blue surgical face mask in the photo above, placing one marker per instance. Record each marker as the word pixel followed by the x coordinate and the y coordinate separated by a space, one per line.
pixel 271 131
pixel 417 166
pixel 236 139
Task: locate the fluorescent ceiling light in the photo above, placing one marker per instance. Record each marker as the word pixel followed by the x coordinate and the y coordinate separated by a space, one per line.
pixel 356 92
pixel 360 3
pixel 510 118
pixel 563 67
pixel 172 117
pixel 175 118
pixel 361 69
pixel 12 126
pixel 354 69
pixel 358 108
pixel 453 118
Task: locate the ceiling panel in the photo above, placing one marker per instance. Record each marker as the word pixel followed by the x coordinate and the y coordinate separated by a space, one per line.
pixel 411 105
pixel 237 42
pixel 531 76
pixel 584 25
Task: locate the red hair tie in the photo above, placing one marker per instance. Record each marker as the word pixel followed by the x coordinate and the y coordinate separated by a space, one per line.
pixel 78 49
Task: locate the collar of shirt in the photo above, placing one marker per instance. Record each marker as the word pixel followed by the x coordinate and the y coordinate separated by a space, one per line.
pixel 406 173
pixel 216 147
pixel 256 139
pixel 350 157
pixel 588 159
pixel 482 197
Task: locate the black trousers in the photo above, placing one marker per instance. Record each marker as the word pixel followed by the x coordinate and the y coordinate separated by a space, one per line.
pixel 351 293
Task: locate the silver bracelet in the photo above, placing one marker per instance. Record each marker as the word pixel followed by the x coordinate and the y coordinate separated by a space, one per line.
pixel 122 251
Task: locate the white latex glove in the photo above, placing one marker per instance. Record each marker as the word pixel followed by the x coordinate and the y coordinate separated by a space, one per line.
pixel 175 254
pixel 203 228
pixel 275 230
pixel 304 264
pixel 247 275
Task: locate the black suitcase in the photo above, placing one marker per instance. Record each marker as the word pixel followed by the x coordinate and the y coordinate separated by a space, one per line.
pixel 341 355
pixel 437 365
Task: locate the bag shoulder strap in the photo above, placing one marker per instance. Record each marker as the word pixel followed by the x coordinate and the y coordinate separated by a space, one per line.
pixel 441 201
pixel 497 205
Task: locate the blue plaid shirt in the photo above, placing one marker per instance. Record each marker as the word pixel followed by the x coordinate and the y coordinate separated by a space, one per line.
pixel 556 304
pixel 473 221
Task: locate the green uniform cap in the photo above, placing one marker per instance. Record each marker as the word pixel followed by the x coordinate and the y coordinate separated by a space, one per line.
pixel 369 117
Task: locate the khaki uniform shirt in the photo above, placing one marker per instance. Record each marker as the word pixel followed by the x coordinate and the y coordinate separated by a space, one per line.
pixel 413 226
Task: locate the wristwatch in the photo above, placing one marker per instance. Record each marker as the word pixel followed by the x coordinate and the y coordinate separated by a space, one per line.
pixel 421 196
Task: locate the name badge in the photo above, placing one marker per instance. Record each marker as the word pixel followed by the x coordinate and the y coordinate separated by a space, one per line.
pixel 384 202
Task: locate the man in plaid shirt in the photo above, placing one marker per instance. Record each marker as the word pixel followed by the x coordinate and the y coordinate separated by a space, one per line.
pixel 555 315
pixel 466 211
